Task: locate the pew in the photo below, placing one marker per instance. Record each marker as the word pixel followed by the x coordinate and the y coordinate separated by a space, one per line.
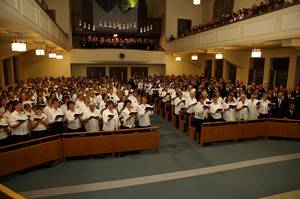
pixel 20 156
pixel 192 129
pixel 24 155
pixel 173 117
pixel 251 129
pixel 182 120
pixel 104 142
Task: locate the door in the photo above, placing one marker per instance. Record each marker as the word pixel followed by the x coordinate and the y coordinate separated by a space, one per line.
pixel 232 72
pixel 118 73
pixel 279 71
pixel 208 69
pixel 139 71
pixel 256 70
pixel 95 72
pixel 219 69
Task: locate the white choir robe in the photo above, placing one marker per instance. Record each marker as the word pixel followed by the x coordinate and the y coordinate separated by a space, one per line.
pixel 52 115
pixel 113 124
pixel 165 96
pixel 178 105
pixel 143 116
pixel 253 111
pixel 263 107
pixel 92 124
pixel 130 123
pixel 72 122
pixel 213 110
pixel 229 115
pixel 23 129
pixel 3 133
pixel 134 102
pixel 188 102
pixel 40 126
pixel 243 113
pixel 200 111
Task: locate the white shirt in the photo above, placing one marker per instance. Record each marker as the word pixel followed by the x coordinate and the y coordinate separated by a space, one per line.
pixel 127 121
pixel 200 111
pixel 213 110
pixel 143 116
pixel 40 126
pixel 3 133
pixel 253 112
pixel 92 124
pixel 190 103
pixel 134 102
pixel 165 96
pixel 113 124
pixel 13 120
pixel 243 113
pixel 53 114
pixel 263 107
pixel 72 122
pixel 230 114
pixel 179 104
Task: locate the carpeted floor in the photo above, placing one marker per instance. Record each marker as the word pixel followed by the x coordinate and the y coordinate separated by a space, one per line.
pixel 177 153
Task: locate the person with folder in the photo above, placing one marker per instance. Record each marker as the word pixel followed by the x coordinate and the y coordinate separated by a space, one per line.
pixel 144 113
pixel 242 108
pixel 129 116
pixel 201 110
pixel 215 110
pixel 229 108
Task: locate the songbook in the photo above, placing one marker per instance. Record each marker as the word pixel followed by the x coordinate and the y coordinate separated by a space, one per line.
pixel 132 113
pixel 208 102
pixel 245 106
pixel 232 106
pixel 219 110
pixel 205 106
pixel 77 115
pixel 3 126
pixel 189 106
pixel 59 116
pixel 258 103
pixel 110 116
pixel 38 118
pixel 21 120
pixel 94 117
pixel 149 109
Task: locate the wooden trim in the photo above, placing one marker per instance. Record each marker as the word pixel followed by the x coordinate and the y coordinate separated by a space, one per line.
pixel 6 193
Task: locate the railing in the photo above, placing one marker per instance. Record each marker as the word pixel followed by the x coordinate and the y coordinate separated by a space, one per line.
pixel 23 155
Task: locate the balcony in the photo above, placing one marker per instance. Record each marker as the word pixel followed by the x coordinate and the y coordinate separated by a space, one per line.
pixel 29 18
pixel 280 26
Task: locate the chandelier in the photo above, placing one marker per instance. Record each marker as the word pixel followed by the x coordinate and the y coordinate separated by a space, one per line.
pixel 196 2
pixel 18 46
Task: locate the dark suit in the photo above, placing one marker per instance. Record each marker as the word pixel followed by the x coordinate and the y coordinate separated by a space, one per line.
pixel 290 115
pixel 279 109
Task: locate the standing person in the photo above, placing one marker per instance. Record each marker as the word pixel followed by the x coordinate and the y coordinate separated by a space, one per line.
pixel 253 104
pixel 144 113
pixel 128 115
pixel 179 103
pixel 110 118
pixel 4 131
pixel 216 110
pixel 91 118
pixel 264 106
pixel 55 118
pixel 229 108
pixel 38 123
pixel 73 118
pixel 201 110
pixel 19 124
pixel 242 108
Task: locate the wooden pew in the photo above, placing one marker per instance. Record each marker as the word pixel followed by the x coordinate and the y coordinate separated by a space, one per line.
pixel 284 128
pixel 24 155
pixel 252 129
pixel 182 120
pixel 103 142
pixel 173 117
pixel 192 129
pixel 218 131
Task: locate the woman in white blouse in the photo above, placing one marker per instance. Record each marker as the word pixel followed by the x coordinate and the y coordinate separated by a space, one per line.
pixel 216 110
pixel 55 118
pixel 73 118
pixel 242 108
pixel 144 113
pixel 91 118
pixel 229 108
pixel 128 115
pixel 263 107
pixel 253 107
pixel 110 118
pixel 38 123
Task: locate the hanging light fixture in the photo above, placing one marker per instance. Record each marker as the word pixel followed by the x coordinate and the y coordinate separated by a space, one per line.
pixel 256 53
pixel 18 46
pixel 59 56
pixel 194 57
pixel 219 55
pixel 39 52
pixel 196 2
pixel 52 55
pixel 178 58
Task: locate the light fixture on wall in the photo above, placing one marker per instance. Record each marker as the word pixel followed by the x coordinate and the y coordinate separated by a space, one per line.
pixel 59 56
pixel 194 57
pixel 178 58
pixel 256 53
pixel 18 46
pixel 52 55
pixel 39 52
pixel 196 2
pixel 219 55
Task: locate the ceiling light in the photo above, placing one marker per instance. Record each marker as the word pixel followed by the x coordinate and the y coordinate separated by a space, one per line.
pixel 39 52
pixel 256 53
pixel 219 56
pixel 17 46
pixel 52 55
pixel 178 58
pixel 194 57
pixel 196 2
pixel 59 56
pixel 115 35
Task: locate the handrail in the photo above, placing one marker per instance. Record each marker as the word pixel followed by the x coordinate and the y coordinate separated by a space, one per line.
pixel 229 23
pixel 249 121
pixel 9 193
pixel 41 6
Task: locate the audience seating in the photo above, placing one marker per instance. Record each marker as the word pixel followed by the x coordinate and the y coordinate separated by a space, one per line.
pixel 24 155
pixel 226 131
